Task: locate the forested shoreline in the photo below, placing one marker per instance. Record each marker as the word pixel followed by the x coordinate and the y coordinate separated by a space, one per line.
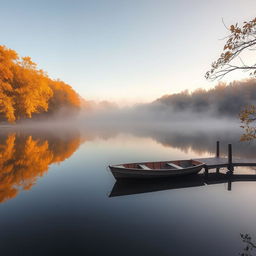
pixel 28 92
pixel 222 100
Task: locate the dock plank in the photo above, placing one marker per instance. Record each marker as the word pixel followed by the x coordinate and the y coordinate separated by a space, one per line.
pixel 215 162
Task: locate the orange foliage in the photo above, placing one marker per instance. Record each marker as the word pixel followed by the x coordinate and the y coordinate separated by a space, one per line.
pixel 64 97
pixel 23 159
pixel 241 39
pixel 25 90
pixel 7 61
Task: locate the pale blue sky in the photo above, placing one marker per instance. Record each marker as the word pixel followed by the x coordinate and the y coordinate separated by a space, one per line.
pixel 122 50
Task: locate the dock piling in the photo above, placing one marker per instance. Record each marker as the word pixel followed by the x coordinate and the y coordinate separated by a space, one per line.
pixel 229 185
pixel 230 164
pixel 206 171
pixel 217 149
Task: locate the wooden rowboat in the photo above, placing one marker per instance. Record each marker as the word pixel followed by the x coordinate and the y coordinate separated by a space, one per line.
pixel 149 170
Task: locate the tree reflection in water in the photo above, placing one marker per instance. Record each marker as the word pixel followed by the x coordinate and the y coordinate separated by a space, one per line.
pixel 25 158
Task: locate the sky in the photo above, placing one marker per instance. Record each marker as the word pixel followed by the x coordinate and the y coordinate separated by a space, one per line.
pixel 126 51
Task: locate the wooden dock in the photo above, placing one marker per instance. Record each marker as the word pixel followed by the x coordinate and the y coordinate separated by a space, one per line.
pixel 219 162
pixel 229 162
pixel 122 188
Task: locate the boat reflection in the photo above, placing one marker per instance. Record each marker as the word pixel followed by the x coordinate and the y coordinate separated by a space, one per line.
pixel 130 187
pixel 25 157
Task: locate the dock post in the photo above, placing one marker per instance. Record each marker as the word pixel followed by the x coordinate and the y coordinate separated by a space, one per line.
pixel 229 185
pixel 217 149
pixel 230 165
pixel 229 175
pixel 206 171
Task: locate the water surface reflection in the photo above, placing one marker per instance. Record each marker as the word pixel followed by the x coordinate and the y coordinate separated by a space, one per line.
pixel 26 154
pixel 68 211
pixel 198 140
pixel 24 158
pixel 131 187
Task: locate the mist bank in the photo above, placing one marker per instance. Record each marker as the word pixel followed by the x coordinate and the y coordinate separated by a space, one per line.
pixel 224 101
pixel 200 139
pixel 27 92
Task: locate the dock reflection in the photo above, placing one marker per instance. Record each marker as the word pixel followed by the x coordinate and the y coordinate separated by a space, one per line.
pixel 131 187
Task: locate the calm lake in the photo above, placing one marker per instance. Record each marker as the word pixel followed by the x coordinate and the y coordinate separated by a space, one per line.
pixel 58 198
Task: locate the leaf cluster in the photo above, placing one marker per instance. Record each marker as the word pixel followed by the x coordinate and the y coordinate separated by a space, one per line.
pixel 241 38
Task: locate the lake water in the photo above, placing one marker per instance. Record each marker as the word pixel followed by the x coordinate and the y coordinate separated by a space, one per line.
pixel 58 198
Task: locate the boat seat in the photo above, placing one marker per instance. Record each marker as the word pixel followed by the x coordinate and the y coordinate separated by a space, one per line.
pixel 144 167
pixel 174 166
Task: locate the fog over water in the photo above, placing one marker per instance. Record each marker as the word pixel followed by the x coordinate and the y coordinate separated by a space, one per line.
pixel 185 131
pixel 55 188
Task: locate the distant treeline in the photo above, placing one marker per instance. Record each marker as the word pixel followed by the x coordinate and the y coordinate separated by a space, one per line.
pixel 26 91
pixel 223 99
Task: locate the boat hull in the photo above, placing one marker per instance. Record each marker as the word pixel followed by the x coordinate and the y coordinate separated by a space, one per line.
pixel 132 173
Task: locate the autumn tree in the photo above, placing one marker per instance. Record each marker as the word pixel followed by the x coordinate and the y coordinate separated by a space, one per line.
pixel 7 61
pixel 242 38
pixel 31 90
pixel 26 91
pixel 64 97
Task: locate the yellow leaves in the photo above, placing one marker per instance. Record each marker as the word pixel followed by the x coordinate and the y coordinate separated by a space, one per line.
pixel 27 63
pixel 248 117
pixel 6 107
pixel 33 93
pixel 240 39
pixel 228 46
pixel 227 55
pixel 25 90
pixel 63 96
